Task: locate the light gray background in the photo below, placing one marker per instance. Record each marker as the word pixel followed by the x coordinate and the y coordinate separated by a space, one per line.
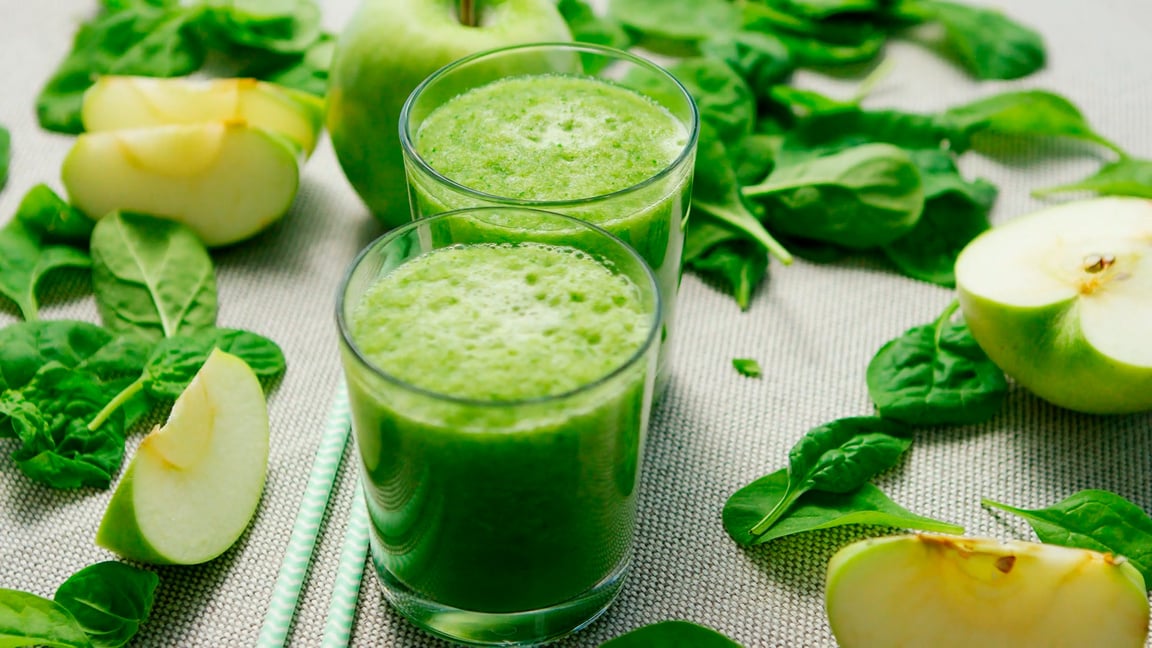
pixel 812 327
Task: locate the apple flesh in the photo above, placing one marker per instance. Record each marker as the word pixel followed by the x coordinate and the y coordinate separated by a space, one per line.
pixel 942 591
pixel 1061 300
pixel 194 484
pixel 225 180
pixel 119 102
pixel 387 49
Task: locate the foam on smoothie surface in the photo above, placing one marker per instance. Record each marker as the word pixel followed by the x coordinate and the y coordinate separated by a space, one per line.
pixel 550 137
pixel 501 322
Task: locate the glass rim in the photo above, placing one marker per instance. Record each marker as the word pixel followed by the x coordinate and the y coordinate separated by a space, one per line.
pixel 650 340
pixel 408 145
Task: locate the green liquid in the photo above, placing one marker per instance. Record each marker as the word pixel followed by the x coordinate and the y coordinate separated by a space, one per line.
pixel 491 505
pixel 585 147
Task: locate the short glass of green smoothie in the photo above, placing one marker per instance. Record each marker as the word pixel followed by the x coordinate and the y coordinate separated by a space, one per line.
pixel 585 130
pixel 501 366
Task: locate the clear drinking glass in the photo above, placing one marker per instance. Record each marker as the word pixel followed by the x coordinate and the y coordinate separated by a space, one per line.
pixel 589 150
pixel 498 520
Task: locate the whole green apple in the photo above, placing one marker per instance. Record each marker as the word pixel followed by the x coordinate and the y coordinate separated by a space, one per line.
pixel 1061 300
pixel 387 49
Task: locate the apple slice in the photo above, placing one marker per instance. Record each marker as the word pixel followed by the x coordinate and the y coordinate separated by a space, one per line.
pixel 941 591
pixel 1061 300
pixel 119 102
pixel 225 180
pixel 194 484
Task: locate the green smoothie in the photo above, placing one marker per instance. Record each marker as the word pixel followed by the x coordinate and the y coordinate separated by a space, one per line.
pixel 496 480
pixel 574 144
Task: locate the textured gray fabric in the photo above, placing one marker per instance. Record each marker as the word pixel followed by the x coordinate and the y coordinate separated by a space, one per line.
pixel 812 327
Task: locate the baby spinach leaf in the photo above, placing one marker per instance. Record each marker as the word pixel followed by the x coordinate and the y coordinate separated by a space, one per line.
pixel 139 38
pixel 987 43
pixel 25 259
pixel 48 416
pixel 51 218
pixel 760 58
pixel 30 620
pixel 27 346
pixel 1094 519
pixel 1124 177
pixel 109 600
pixel 720 253
pixel 936 374
pixel 278 26
pixel 832 129
pixel 801 102
pixel 837 457
pixel 151 276
pixel 747 367
pixel 716 193
pixel 674 25
pixel 587 26
pixel 862 197
pixel 723 98
pixel 176 360
pixel 816 510
pixel 671 634
pixel 1024 113
pixel 752 157
pixel 5 154
pixel 955 212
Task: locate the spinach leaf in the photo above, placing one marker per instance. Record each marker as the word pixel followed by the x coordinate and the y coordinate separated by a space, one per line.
pixel 986 42
pixel 726 256
pixel 5 154
pixel 671 634
pixel 176 360
pixel 587 26
pixel 716 193
pixel 723 98
pixel 27 346
pixel 280 26
pixel 832 129
pixel 747 367
pixel 936 374
pixel 862 197
pixel 109 600
pixel 675 26
pixel 1024 113
pixel 25 259
pixel 52 219
pixel 1124 177
pixel 1094 519
pixel 151 276
pixel 48 416
pixel 752 157
pixel 761 59
pixel 837 457
pixel 138 38
pixel 819 53
pixel 306 73
pixel 816 510
pixel 955 212
pixel 30 620
pixel 801 102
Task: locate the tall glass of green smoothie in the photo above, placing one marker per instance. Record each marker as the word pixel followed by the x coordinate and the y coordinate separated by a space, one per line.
pixel 588 131
pixel 501 367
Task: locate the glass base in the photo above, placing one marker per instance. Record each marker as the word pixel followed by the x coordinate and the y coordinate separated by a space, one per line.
pixel 528 628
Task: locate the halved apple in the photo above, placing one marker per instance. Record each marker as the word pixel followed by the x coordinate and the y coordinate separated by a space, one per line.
pixel 1061 300
pixel 194 484
pixel 118 102
pixel 942 591
pixel 225 180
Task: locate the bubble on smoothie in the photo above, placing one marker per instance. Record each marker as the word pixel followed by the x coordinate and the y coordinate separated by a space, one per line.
pixel 501 322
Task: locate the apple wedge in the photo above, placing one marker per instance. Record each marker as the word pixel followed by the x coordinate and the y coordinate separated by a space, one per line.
pixel 943 591
pixel 225 180
pixel 194 484
pixel 1061 300
pixel 119 102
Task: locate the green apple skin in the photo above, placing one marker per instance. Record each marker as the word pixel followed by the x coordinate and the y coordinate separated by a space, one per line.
pixel 120 102
pixel 386 50
pixel 1042 345
pixel 950 591
pixel 226 181
pixel 194 485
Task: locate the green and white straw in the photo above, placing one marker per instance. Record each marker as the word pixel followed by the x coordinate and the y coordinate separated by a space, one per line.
pixel 298 556
pixel 346 591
